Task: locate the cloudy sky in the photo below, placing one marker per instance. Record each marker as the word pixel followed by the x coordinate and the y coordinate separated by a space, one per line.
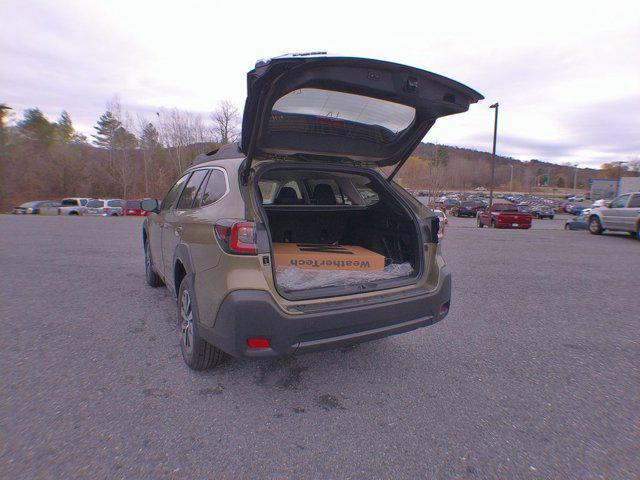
pixel 566 74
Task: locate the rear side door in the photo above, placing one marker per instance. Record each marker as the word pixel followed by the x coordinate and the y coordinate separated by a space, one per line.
pixel 156 223
pixel 175 218
pixel 614 215
pixel 631 213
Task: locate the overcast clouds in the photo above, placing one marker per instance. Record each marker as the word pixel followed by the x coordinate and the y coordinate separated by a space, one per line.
pixel 567 75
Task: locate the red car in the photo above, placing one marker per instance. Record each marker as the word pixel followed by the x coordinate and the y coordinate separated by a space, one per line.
pixel 134 208
pixel 504 215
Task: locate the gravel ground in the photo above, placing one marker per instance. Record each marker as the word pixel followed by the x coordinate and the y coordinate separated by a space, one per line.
pixel 534 374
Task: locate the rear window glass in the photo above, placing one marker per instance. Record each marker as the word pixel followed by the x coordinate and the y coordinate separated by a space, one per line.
pixel 314 110
pixel 115 203
pixel 95 204
pixel 133 204
pixel 505 208
pixel 191 189
pixel 69 202
pixel 215 189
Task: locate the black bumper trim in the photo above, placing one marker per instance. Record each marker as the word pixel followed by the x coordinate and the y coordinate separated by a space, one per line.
pixel 254 313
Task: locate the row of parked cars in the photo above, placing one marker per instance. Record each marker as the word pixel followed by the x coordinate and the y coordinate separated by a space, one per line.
pixel 103 207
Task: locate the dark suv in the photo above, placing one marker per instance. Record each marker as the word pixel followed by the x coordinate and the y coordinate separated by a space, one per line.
pixel 305 176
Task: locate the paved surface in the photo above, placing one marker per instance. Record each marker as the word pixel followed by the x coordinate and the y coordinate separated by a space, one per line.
pixel 534 374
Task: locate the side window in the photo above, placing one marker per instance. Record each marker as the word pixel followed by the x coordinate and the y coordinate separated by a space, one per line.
pixel 620 202
pixel 340 196
pixel 267 190
pixel 215 189
pixel 83 202
pixel 190 190
pixel 293 184
pixel 635 201
pixel 369 196
pixel 171 195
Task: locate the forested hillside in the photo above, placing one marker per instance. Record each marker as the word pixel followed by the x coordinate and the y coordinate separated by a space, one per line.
pixel 131 158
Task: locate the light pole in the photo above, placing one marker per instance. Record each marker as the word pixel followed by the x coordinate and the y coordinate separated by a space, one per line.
pixel 493 157
pixel 511 179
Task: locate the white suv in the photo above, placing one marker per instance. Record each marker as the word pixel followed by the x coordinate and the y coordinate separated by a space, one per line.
pixel 621 214
pixel 109 207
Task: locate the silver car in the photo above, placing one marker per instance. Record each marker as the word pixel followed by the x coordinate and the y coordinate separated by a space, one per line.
pixel 105 207
pixel 622 214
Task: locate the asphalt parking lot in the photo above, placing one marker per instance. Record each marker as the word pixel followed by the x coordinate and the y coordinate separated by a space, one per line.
pixel 534 374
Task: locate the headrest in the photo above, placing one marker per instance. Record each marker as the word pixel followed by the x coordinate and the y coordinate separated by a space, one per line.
pixel 323 194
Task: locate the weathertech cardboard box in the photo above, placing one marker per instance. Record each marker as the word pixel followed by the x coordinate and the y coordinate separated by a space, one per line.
pixel 326 257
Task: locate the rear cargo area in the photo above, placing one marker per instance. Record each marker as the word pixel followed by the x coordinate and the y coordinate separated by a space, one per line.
pixel 319 211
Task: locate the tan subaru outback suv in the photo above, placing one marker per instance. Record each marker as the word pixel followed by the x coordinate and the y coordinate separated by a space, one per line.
pixel 294 240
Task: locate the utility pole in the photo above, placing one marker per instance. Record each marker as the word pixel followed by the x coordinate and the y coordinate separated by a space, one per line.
pixel 493 158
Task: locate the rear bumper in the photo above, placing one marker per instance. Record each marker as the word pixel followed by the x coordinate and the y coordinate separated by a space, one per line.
pixel 254 313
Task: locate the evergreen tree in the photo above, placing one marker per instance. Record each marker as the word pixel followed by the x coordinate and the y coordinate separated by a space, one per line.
pixel 149 142
pixel 37 128
pixel 65 129
pixel 150 139
pixel 106 128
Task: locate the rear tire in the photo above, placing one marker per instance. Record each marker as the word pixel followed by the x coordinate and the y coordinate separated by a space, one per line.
pixel 567 227
pixel 479 223
pixel 595 227
pixel 152 278
pixel 196 352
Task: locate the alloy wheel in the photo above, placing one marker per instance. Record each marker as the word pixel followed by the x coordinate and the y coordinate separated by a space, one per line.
pixel 186 324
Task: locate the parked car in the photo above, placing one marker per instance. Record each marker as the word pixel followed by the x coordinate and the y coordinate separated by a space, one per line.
pixel 578 222
pixel 542 211
pixel 622 214
pixel 503 215
pixel 211 239
pixel 524 208
pixel 134 208
pixel 449 203
pixel 73 206
pixel 39 207
pixel 465 209
pixel 109 207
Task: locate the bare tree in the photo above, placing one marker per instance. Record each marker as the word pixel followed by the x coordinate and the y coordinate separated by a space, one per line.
pixel 226 122
pixel 183 133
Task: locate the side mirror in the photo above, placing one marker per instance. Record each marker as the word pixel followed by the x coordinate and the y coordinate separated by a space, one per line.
pixel 150 205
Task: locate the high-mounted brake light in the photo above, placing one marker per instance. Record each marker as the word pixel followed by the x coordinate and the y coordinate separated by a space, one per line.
pixel 236 236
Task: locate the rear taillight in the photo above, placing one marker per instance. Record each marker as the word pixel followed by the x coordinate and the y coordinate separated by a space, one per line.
pixel 236 236
pixel 105 209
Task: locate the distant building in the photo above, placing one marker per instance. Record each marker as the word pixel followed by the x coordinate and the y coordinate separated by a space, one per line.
pixel 601 188
pixel 628 184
